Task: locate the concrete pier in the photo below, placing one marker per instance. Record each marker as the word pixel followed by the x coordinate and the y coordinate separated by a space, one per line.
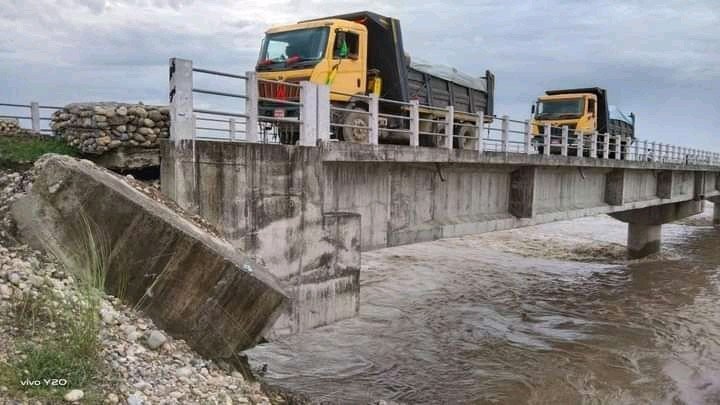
pixel 645 224
pixel 716 215
pixel 643 240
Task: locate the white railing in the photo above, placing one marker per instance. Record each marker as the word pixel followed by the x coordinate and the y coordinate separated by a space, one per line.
pixel 33 116
pixel 302 114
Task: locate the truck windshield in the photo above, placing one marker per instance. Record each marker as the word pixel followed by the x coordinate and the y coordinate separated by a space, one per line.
pixel 280 50
pixel 550 109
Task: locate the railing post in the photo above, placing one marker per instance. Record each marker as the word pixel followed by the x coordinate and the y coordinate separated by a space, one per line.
pixel 505 135
pixel 323 113
pixel 645 150
pixel 528 137
pixel 606 146
pixel 479 129
pixel 35 116
pixel 449 126
pixel 374 109
pixel 182 120
pixel 618 147
pixel 546 140
pixel 251 107
pixel 414 123
pixel 636 147
pixel 308 114
pixel 661 153
pixel 653 155
pixel 580 145
pixel 564 149
pixel 593 145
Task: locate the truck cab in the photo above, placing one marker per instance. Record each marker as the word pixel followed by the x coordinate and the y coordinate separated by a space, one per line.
pixel 330 51
pixel 578 111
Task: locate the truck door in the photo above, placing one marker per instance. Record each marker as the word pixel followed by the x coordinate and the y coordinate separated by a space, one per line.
pixel 348 64
pixel 592 114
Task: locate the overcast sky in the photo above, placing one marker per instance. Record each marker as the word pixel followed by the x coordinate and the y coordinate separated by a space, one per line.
pixel 659 59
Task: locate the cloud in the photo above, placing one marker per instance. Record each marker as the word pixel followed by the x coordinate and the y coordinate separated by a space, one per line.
pixel 659 59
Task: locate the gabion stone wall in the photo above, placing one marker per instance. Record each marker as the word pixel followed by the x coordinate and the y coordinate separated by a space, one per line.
pixel 96 128
pixel 8 127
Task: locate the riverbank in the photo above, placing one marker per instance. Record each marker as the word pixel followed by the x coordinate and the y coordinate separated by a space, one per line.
pixel 64 340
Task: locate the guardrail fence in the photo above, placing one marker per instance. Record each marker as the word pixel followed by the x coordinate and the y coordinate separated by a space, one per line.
pixel 30 116
pixel 302 114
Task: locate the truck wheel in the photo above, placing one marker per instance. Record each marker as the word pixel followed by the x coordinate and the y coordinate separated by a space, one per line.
pixel 465 143
pixel 429 127
pixel 358 129
pixel 288 134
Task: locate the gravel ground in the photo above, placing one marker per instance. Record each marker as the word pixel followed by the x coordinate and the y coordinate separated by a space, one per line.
pixel 140 363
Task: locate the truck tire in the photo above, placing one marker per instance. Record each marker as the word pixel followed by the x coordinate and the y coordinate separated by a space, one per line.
pixel 429 127
pixel 460 142
pixel 358 119
pixel 288 134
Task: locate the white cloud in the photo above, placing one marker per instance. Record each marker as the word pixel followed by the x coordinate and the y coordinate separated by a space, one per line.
pixel 655 58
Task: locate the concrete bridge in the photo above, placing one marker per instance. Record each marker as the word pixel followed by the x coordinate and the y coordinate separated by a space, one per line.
pixel 309 210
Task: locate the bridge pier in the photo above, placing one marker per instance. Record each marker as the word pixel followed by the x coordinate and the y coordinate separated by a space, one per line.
pixel 645 224
pixel 643 240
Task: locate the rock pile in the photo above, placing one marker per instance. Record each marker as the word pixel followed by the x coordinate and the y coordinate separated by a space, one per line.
pixel 8 127
pixel 96 128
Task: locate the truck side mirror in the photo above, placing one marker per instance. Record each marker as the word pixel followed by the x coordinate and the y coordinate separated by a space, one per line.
pixel 532 109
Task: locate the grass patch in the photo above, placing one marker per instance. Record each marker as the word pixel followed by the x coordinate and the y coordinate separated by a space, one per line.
pixel 20 150
pixel 69 355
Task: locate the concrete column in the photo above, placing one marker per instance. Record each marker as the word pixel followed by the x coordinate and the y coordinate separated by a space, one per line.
pixel 716 215
pixel 664 184
pixel 615 187
pixel 522 192
pixel 643 240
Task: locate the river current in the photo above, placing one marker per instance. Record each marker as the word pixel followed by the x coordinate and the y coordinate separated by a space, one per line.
pixel 552 314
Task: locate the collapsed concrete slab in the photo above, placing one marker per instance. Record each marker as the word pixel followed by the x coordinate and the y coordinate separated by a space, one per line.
pixel 193 284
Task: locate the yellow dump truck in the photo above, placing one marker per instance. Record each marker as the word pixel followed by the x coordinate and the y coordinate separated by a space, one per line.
pixel 362 53
pixel 584 111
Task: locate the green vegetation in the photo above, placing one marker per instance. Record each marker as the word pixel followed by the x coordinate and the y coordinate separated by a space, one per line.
pixel 59 340
pixel 16 151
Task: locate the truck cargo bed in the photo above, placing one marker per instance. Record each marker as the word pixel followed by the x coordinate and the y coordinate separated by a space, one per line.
pixel 439 92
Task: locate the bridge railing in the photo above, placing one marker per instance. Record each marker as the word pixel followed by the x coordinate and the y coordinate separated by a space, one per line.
pixel 303 114
pixel 33 116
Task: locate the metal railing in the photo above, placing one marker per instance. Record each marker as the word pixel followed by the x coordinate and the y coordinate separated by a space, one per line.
pixel 272 111
pixel 303 114
pixel 33 116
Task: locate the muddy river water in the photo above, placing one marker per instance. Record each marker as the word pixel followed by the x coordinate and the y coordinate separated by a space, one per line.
pixel 551 314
